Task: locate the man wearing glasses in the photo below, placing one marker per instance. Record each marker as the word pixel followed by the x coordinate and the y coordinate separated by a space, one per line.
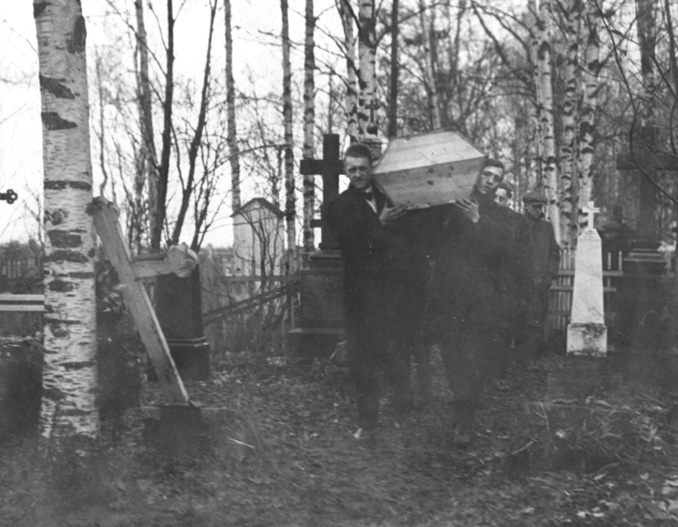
pixel 545 253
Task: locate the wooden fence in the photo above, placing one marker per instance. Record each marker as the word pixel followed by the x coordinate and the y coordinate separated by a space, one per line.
pixel 560 298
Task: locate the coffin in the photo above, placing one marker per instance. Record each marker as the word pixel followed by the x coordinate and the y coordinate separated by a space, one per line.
pixel 425 170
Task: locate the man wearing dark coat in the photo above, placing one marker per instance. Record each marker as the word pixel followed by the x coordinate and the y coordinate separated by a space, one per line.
pixel 545 256
pixel 482 284
pixel 377 268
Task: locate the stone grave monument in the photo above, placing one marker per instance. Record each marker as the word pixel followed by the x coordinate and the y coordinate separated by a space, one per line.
pixel 586 332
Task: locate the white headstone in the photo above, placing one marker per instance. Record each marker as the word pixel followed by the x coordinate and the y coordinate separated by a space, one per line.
pixel 587 333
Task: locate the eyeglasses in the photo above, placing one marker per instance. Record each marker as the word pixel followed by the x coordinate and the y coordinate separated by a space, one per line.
pixel 536 205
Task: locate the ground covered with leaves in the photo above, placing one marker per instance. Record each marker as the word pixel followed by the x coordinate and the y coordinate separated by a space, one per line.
pixel 279 451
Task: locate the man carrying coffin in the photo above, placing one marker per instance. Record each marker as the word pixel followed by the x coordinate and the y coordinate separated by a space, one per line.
pixel 378 271
pixel 482 285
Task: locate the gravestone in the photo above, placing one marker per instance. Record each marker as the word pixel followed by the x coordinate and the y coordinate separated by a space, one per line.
pixel 586 332
pixel 178 302
pixel 639 294
pixel 321 312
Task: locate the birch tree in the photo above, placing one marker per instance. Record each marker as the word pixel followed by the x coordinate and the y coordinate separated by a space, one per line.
pixel 309 124
pixel 69 375
pixel 290 207
pixel 234 152
pixel 568 111
pixel 589 107
pixel 367 74
pixel 549 178
pixel 147 164
pixel 351 98
pixel 395 71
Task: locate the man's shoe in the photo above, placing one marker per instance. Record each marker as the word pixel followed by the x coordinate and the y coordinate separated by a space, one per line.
pixel 363 435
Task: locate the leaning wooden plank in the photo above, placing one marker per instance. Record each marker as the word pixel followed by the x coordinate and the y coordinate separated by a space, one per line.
pixel 105 215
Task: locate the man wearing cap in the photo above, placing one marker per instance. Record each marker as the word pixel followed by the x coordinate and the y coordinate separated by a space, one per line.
pixel 545 253
pixel 380 273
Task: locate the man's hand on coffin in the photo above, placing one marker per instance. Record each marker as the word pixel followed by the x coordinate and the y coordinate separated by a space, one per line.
pixel 470 208
pixel 391 213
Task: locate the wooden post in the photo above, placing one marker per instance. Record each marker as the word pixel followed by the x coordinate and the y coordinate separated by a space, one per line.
pixel 105 215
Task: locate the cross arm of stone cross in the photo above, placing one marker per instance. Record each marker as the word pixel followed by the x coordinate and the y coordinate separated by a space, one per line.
pixel 178 259
pixel 591 211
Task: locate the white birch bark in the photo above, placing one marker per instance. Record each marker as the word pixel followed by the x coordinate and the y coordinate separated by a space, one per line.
pixel 148 164
pixel 568 112
pixel 367 74
pixel 588 111
pixel 536 153
pixel 70 374
pixel 309 124
pixel 346 15
pixel 231 123
pixel 550 167
pixel 290 206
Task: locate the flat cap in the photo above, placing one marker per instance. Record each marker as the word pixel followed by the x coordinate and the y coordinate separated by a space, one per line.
pixel 534 197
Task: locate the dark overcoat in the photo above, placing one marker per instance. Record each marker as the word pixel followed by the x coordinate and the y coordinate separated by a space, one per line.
pixel 545 260
pixel 482 270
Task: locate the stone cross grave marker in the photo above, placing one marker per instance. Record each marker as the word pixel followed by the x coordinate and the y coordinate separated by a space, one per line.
pixel 586 332
pixel 329 167
pixel 105 215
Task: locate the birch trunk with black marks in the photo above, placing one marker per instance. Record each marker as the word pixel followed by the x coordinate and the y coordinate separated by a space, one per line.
pixel 568 112
pixel 347 21
pixel 429 74
pixel 231 123
pixel 588 111
pixel 367 75
pixel 536 151
pixel 290 198
pixel 392 130
pixel 309 125
pixel 70 374
pixel 147 164
pixel 549 182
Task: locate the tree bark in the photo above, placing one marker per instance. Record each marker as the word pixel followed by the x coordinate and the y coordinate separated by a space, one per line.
pixel 196 140
pixel 147 164
pixel 347 19
pixel 646 15
pixel 231 123
pixel 429 73
pixel 158 219
pixel 550 167
pixel 395 71
pixel 309 125
pixel 70 374
pixel 367 75
pixel 290 205
pixel 588 112
pixel 568 112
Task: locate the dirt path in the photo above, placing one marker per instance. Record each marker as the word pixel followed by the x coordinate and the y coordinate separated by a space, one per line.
pixel 281 454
